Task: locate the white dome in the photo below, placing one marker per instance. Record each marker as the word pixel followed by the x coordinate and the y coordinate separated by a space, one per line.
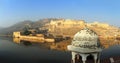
pixel 86 38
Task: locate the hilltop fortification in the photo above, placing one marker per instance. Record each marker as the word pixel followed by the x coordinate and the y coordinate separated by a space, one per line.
pixel 67 27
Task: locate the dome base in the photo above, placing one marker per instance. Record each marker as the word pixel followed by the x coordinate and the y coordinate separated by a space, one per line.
pixel 83 50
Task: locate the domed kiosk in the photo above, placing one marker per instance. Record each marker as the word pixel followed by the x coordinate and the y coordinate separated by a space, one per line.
pixel 85 43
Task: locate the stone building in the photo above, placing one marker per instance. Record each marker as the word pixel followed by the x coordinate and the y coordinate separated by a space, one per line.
pixel 16 34
pixel 85 43
pixel 103 25
pixel 60 27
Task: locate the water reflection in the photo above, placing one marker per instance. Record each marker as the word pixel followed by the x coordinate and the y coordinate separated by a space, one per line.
pixel 21 51
pixel 53 46
pixel 63 44
pixel 16 40
pixel 106 43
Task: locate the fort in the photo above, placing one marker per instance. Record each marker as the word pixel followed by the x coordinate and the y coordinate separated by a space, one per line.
pixel 60 27
pixel 38 38
pixel 68 27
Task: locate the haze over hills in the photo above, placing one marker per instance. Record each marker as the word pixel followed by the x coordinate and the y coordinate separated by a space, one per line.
pixel 62 26
pixel 1 28
pixel 16 27
pixel 21 25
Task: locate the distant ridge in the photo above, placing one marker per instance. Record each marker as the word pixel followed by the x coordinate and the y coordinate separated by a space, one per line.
pixel 21 25
pixel 1 27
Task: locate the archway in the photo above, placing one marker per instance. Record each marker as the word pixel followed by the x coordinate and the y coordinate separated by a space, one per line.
pixel 78 58
pixel 90 59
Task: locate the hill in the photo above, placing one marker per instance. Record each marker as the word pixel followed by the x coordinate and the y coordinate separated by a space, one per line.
pixel 16 27
pixel 63 27
pixel 21 25
pixel 1 28
pixel 70 27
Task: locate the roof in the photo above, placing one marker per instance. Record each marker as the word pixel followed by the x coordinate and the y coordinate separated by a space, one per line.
pixel 85 39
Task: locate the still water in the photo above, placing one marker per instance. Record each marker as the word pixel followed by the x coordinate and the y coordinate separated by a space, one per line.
pixel 10 52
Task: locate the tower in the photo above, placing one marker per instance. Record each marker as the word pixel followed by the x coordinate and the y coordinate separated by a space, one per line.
pixel 16 34
pixel 85 43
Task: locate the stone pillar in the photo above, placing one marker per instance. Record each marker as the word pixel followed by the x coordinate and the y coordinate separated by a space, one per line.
pixel 99 57
pixel 95 55
pixel 84 57
pixel 73 57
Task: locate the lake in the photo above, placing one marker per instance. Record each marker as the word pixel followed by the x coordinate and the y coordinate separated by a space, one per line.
pixel 11 52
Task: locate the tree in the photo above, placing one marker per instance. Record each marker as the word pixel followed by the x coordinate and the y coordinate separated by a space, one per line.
pixel 26 30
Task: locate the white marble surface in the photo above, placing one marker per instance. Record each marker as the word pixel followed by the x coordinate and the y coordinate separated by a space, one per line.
pixel 83 50
pixel 86 38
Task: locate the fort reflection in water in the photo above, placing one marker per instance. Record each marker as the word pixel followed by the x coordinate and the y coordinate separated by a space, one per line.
pixel 62 45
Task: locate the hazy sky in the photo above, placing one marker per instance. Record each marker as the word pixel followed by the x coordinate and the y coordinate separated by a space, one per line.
pixel 13 11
